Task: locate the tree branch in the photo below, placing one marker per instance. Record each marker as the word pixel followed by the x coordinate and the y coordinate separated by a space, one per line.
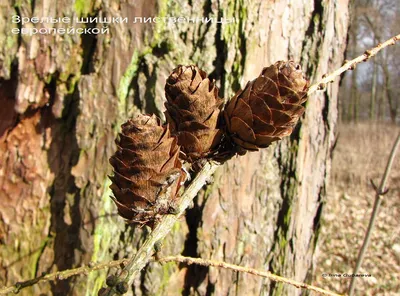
pixel 60 275
pixel 266 274
pixel 378 199
pixel 351 64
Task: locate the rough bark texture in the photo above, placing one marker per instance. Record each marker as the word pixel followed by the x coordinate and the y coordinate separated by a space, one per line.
pixel 63 98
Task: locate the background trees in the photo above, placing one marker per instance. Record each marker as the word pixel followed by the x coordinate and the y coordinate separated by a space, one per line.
pixel 368 101
pixel 371 91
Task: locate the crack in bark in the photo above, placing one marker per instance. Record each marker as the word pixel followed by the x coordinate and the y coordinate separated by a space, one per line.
pixel 62 156
pixel 220 59
pixel 195 274
pixel 313 39
pixel 9 117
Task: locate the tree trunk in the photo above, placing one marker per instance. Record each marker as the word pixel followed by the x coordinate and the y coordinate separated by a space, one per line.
pixel 372 104
pixel 65 95
pixel 354 97
pixel 381 103
pixel 392 100
pixel 354 93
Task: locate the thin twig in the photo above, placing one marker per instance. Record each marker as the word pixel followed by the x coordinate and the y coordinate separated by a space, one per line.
pixel 146 251
pixel 61 275
pixel 378 199
pixel 238 268
pixel 351 64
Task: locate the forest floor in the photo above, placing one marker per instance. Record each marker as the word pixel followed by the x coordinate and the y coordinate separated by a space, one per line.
pixel 360 156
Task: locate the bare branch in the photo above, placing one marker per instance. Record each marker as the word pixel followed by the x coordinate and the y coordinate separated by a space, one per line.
pixel 378 199
pixel 351 64
pixel 60 275
pixel 266 274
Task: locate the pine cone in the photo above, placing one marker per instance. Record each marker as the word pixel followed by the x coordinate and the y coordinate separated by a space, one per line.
pixel 147 170
pixel 193 108
pixel 268 108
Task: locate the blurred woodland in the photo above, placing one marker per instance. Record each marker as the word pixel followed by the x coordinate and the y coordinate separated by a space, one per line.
pixel 372 90
pixel 369 107
pixel 64 97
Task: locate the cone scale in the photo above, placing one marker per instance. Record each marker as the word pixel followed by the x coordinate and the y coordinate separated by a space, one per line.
pixel 147 170
pixel 268 108
pixel 193 109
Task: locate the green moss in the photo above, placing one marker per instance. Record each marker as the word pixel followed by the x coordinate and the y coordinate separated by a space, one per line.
pixel 282 240
pixel 158 42
pixel 177 227
pixel 72 84
pixel 102 239
pixel 36 234
pixel 160 27
pixel 36 256
pixel 11 41
pixel 236 9
pixel 316 20
pixel 83 7
pixel 288 216
pixel 240 247
pixel 26 247
pixel 126 79
pixel 18 3
pixel 64 75
pixel 167 270
pixel 278 289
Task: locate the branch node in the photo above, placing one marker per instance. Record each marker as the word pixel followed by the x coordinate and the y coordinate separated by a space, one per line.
pixel 173 209
pixel 18 287
pixel 373 185
pixel 111 281
pixel 384 192
pixel 102 291
pixel 59 276
pixel 368 53
pixel 122 287
pixel 158 246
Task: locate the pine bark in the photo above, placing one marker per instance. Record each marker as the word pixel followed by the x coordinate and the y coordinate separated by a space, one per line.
pixel 63 98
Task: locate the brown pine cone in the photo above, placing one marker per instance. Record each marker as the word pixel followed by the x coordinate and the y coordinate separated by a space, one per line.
pixel 193 109
pixel 268 108
pixel 147 170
